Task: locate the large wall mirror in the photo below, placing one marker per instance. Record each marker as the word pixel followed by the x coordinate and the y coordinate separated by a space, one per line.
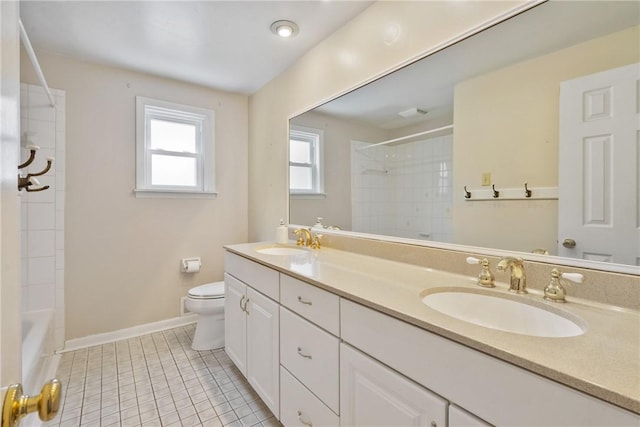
pixel 549 98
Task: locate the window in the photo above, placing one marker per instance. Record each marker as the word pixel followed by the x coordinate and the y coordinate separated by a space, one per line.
pixel 306 175
pixel 174 149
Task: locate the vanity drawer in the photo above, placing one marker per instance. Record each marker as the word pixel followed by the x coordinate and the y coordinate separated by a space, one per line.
pixel 259 277
pixel 317 305
pixel 311 355
pixel 299 407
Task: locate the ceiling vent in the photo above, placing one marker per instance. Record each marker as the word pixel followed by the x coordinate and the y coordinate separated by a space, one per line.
pixel 412 112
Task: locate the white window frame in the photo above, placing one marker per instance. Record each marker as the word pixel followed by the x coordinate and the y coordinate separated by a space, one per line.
pixel 204 120
pixel 316 137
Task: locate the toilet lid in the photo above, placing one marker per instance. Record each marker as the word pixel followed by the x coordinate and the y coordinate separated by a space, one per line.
pixel 209 291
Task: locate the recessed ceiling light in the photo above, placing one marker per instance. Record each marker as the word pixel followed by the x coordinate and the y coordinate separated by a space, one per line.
pixel 284 28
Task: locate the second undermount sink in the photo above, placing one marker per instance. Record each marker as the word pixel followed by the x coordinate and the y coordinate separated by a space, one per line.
pixel 502 314
pixel 282 250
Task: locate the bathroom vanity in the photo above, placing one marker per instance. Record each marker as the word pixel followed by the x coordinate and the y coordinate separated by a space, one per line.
pixel 330 337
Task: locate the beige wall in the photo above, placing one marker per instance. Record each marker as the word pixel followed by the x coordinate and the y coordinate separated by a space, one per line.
pixel 506 123
pixel 335 208
pixel 121 252
pixel 358 52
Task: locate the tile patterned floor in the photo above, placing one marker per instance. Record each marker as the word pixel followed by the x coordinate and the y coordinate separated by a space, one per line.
pixel 155 380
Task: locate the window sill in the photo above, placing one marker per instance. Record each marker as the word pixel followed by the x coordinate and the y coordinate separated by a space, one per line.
pixel 173 194
pixel 308 195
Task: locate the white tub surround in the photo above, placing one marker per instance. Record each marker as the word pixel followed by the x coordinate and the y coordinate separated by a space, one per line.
pixel 38 360
pixel 602 362
pixel 42 212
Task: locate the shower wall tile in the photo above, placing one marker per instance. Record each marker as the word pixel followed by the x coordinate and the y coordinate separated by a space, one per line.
pixel 40 216
pixel 42 213
pixel 404 190
pixel 40 297
pixel 41 271
pixel 41 243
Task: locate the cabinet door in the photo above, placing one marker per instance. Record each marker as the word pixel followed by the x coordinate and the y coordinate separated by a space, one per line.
pixel 373 395
pixel 263 337
pixel 235 324
pixel 461 418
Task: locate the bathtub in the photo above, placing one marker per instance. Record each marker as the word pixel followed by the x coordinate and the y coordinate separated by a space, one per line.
pixel 38 361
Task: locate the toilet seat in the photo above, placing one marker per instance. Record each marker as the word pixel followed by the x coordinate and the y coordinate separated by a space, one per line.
pixel 213 290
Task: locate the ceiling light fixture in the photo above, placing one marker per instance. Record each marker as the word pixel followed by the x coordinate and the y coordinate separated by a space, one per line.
pixel 284 28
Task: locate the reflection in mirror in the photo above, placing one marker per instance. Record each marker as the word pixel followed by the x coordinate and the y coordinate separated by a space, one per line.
pixel 531 100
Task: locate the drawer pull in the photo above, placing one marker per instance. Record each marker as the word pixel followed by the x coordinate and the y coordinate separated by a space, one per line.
pixel 241 300
pixel 307 423
pixel 306 356
pixel 246 309
pixel 301 301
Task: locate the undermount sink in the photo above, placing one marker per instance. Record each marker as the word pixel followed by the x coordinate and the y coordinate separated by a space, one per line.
pixel 281 250
pixel 502 314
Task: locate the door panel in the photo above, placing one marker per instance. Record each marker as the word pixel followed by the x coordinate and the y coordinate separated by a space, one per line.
pixel 263 350
pixel 599 184
pixel 235 323
pixel 373 395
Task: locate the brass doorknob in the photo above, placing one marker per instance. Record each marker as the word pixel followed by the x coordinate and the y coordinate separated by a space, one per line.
pixel 17 405
pixel 569 243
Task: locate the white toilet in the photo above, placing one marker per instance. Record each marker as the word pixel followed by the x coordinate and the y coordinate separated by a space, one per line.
pixel 207 301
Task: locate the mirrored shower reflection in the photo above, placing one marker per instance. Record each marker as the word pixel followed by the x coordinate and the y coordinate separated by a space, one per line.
pixel 403 190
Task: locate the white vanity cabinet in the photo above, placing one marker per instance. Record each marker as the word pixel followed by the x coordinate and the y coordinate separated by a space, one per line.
pixel 372 394
pixel 493 390
pixel 317 359
pixel 252 325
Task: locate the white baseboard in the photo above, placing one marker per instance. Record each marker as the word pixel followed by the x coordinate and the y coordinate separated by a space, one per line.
pixel 136 331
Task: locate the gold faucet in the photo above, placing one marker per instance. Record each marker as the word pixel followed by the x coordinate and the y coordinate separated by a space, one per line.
pixel 304 237
pixel 518 282
pixel 315 241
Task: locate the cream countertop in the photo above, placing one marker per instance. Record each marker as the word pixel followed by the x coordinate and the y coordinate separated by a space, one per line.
pixel 603 362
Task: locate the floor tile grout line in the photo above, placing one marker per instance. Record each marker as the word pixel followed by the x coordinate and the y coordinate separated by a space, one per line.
pixel 195 374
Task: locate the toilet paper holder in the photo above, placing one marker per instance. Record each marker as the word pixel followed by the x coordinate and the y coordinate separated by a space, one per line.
pixel 190 265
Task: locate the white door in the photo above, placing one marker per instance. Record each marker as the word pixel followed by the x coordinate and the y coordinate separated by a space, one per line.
pixel 598 158
pixel 263 349
pixel 373 395
pixel 10 322
pixel 235 322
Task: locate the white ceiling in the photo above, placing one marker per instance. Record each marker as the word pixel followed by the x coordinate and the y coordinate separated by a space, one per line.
pixel 220 44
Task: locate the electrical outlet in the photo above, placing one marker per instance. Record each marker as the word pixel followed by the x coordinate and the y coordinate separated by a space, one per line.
pixel 486 178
